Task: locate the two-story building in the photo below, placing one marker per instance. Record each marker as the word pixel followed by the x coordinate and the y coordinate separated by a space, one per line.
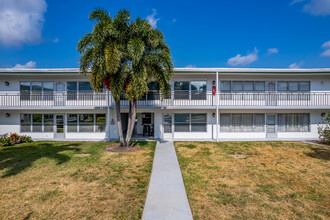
pixel 204 104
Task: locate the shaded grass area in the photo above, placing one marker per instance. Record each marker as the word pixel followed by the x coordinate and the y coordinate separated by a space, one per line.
pixel 276 180
pixel 45 180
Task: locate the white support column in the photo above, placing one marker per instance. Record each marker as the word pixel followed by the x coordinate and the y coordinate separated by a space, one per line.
pixel 217 103
pixel 108 117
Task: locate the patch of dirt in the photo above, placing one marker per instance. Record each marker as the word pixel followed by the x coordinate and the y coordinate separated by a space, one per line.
pixel 238 156
pixel 118 148
pixel 82 155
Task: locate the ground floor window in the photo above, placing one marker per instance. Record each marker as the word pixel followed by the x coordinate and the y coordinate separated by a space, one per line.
pixel 238 122
pixel 37 122
pixel 190 122
pixel 296 122
pixel 86 122
pixel 167 123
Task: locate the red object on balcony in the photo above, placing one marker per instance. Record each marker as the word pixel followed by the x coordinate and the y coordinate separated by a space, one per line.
pixel 214 90
pixel 107 83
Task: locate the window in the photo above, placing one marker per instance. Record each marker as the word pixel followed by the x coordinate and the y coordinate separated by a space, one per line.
pixel 48 123
pixel 48 89
pixel 304 86
pixel 37 123
pixel 242 122
pixel 72 90
pixel 248 85
pixel 225 86
pixel 198 90
pixel 237 86
pixel 86 123
pixel 294 122
pixel 259 86
pixel 153 93
pixel 282 86
pixel 293 86
pixel 190 122
pixel 25 123
pixel 167 123
pixel 198 122
pixel 72 122
pixel 85 91
pixel 25 90
pixel 181 122
pixel 100 122
pixel 225 122
pixel 181 90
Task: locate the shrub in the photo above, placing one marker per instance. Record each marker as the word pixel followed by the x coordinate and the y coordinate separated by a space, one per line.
pixel 26 139
pixel 324 130
pixel 13 138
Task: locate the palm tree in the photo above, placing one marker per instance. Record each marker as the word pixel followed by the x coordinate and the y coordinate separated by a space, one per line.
pixel 125 55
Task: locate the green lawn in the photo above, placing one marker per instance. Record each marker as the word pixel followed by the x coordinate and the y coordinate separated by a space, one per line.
pixel 256 180
pixel 46 180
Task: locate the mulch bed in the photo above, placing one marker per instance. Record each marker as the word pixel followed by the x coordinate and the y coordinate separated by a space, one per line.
pixel 118 148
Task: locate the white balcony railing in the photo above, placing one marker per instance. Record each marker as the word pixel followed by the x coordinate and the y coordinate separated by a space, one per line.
pixel 176 98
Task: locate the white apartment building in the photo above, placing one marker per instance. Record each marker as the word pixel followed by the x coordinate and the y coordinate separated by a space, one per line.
pixel 204 104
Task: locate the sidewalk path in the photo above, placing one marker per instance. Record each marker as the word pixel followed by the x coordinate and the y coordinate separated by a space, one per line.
pixel 167 198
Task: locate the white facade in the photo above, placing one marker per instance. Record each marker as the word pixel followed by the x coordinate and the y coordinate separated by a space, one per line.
pixel 253 104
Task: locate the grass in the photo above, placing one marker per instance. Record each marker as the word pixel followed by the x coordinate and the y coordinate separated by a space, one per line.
pixel 276 180
pixel 45 180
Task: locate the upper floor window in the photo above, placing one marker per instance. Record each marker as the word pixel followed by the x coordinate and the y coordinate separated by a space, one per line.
pixel 182 90
pixel 293 86
pixel 36 90
pixel 240 86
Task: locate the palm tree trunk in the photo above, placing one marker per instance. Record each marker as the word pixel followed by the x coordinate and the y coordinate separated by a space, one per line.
pixel 119 124
pixel 131 125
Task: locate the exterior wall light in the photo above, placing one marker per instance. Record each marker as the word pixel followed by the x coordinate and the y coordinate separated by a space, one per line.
pixel 213 114
pixel 323 114
pixel 7 83
pixel 213 83
pixel 7 115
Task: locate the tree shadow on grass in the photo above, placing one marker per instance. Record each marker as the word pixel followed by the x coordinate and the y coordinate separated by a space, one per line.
pixel 320 153
pixel 17 159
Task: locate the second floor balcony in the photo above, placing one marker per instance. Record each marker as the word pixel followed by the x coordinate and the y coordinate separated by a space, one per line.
pixel 176 99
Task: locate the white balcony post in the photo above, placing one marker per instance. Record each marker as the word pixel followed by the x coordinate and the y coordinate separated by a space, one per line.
pixel 108 117
pixel 217 105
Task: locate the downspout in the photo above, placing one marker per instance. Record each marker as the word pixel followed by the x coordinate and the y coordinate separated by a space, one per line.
pixel 108 117
pixel 217 106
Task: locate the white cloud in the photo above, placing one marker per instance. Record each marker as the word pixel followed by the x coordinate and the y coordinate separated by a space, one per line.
pixel 28 65
pixel 243 60
pixel 326 53
pixel 190 66
pixel 21 21
pixel 318 7
pixel 174 20
pixel 326 44
pixel 152 20
pixel 296 1
pixel 272 51
pixel 56 40
pixel 294 66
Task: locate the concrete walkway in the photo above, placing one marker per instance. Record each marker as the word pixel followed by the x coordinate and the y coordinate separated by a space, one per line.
pixel 167 198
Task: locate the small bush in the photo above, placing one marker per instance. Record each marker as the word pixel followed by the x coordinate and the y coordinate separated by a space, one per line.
pixel 26 139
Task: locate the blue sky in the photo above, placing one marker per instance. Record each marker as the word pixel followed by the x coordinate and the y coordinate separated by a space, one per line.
pixel 235 33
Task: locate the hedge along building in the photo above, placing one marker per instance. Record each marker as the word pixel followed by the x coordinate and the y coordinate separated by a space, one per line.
pixel 204 104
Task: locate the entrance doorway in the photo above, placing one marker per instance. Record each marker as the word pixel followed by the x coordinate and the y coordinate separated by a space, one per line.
pixel 59 130
pixel 144 125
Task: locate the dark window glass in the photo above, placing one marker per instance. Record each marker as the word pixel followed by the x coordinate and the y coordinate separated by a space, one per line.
pixel 181 90
pixel 25 90
pixel 181 122
pixel 25 123
pixel 226 86
pixel 86 123
pixel 100 122
pixel 282 86
pixel 198 90
pixel 37 122
pixel 72 122
pixel 167 123
pixel 48 123
pixel 198 122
